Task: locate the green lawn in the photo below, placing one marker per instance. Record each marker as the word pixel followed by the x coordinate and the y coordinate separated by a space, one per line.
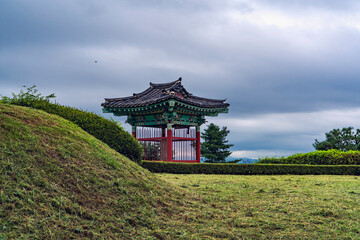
pixel 271 207
pixel 58 182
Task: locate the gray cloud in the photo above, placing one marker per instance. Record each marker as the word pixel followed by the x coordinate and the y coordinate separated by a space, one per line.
pixel 280 57
pixel 329 5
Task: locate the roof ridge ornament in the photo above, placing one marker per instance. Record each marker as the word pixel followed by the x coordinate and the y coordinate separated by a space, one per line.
pixel 179 80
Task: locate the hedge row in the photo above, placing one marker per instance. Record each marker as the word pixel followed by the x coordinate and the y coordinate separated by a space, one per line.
pixel 249 169
pixel 330 157
pixel 105 130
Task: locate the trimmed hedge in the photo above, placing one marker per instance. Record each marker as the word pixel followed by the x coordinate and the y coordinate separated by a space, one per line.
pixel 249 169
pixel 105 130
pixel 330 157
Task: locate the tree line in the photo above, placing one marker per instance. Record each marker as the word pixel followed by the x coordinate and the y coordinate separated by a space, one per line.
pixel 344 139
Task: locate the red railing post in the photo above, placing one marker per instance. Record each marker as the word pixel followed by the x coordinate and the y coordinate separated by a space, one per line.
pixel 169 157
pixel 134 131
pixel 198 152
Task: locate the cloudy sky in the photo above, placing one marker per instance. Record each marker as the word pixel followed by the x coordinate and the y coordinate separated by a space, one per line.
pixel 289 68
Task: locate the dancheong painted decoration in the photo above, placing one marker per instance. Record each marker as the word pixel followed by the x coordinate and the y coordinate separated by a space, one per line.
pixel 166 120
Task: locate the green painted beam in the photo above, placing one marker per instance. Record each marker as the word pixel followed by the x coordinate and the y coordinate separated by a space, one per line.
pixel 170 103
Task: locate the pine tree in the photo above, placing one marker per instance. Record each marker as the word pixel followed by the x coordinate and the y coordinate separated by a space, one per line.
pixel 345 139
pixel 215 148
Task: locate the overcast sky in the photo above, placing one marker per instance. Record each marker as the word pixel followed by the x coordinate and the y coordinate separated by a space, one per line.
pixel 289 68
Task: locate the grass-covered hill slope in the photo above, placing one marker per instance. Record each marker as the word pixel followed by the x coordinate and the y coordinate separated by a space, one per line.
pixel 58 182
pixel 107 131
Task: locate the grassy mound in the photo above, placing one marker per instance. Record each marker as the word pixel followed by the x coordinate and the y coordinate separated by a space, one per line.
pixel 108 131
pixel 59 182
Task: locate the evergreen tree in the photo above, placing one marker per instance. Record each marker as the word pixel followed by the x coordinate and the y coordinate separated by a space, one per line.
pixel 215 148
pixel 345 139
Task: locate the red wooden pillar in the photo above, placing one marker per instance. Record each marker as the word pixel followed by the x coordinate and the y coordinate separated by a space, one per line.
pixel 198 152
pixel 134 131
pixel 163 145
pixel 169 157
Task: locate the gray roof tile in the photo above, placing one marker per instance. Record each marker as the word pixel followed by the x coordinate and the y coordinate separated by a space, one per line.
pixel 161 92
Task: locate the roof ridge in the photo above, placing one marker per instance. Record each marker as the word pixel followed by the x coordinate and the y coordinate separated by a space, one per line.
pixel 158 92
pixel 212 99
pixel 165 85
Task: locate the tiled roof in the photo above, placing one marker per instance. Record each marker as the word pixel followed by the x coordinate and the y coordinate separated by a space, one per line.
pixel 161 92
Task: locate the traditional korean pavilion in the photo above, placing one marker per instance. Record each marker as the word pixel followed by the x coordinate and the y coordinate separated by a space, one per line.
pixel 166 120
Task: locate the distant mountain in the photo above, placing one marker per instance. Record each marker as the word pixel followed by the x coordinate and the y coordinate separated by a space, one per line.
pixel 243 160
pixel 248 160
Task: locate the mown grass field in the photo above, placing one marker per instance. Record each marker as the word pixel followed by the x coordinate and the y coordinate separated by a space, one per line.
pixel 59 182
pixel 273 207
